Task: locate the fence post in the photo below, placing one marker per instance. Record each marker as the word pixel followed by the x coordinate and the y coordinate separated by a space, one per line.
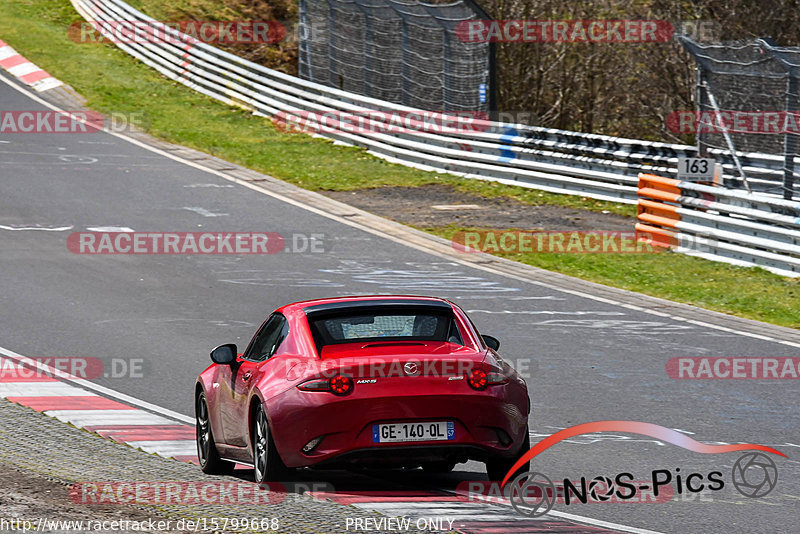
pixel 790 138
pixel 367 50
pixel 702 105
pixel 446 82
pixel 492 81
pixel 405 70
pixel 304 40
pixel 333 75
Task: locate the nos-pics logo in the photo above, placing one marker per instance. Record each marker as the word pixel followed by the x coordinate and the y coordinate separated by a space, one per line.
pixel 533 494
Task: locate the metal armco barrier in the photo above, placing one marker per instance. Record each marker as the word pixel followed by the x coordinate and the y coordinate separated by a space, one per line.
pixel 720 224
pixel 590 165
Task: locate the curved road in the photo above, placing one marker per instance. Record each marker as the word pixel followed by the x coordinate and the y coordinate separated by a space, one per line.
pixel 585 360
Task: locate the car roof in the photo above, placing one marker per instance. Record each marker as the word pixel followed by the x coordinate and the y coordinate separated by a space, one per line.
pixel 345 303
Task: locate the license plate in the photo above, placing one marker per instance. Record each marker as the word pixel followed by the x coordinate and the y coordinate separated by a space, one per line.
pixel 395 432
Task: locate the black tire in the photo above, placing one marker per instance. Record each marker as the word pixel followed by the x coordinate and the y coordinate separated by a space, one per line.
pixel 267 463
pixel 207 454
pixel 497 468
pixel 438 468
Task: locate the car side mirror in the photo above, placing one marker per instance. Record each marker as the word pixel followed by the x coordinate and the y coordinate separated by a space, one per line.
pixel 224 354
pixel 491 342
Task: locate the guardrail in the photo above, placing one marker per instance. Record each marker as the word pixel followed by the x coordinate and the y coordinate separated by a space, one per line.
pixel 595 166
pixel 720 224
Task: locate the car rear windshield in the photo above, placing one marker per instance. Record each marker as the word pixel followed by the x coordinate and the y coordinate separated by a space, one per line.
pixel 384 325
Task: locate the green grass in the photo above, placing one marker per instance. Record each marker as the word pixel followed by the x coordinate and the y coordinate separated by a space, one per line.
pixel 748 292
pixel 114 82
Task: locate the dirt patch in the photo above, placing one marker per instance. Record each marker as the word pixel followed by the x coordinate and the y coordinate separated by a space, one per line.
pixel 415 206
pixel 30 497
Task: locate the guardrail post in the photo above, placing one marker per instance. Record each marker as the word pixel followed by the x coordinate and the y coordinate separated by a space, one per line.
pixel 790 138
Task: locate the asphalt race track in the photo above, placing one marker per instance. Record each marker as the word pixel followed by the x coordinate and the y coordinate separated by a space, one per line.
pixel 584 360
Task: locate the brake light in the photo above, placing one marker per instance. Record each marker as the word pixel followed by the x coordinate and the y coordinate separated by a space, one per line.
pixel 477 379
pixel 341 385
pixel 338 385
pixel 480 379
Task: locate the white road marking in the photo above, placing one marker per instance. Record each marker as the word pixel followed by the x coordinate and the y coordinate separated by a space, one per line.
pixel 618 325
pixel 283 282
pixel 210 185
pixel 506 297
pixel 86 384
pixel 456 207
pixel 167 448
pixel 572 517
pixel 109 229
pixel 41 228
pixel 74 158
pixel 459 511
pixel 107 418
pixel 22 69
pixel 545 312
pixel 6 52
pixel 204 212
pixel 45 84
pixel 600 523
pixel 40 389
pixel 437 277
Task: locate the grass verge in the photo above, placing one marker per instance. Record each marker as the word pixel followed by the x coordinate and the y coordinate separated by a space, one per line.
pixel 744 291
pixel 114 82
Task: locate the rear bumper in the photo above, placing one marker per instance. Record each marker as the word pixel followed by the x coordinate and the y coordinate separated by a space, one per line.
pixel 405 455
pixel 487 424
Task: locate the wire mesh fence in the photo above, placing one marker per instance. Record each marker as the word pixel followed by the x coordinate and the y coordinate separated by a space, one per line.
pixel 747 102
pixel 402 51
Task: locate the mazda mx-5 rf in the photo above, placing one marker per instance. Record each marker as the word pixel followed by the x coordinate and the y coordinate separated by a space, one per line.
pixel 360 382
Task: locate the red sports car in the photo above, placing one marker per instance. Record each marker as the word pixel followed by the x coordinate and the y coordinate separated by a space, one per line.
pixel 354 382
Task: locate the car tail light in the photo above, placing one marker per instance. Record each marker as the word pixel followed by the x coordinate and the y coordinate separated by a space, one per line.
pixel 341 385
pixel 338 385
pixel 321 384
pixel 480 379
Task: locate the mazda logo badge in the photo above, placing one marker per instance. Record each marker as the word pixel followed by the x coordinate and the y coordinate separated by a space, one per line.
pixel 411 368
